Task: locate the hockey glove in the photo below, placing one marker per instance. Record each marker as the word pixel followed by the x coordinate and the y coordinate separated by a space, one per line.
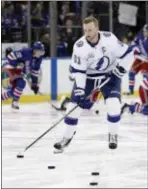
pixel 119 71
pixel 35 88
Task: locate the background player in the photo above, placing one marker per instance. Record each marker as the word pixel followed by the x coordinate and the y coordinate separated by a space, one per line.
pixel 94 60
pixel 140 65
pixel 141 56
pixel 143 93
pixel 22 63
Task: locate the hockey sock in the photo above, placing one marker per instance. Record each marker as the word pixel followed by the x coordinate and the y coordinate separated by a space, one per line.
pixel 139 108
pixel 131 81
pixel 71 121
pixel 113 127
pixel 20 85
pixel 113 117
pixel 70 127
pixel 17 94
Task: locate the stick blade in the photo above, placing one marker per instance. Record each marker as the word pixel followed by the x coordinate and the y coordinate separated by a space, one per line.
pixel 20 155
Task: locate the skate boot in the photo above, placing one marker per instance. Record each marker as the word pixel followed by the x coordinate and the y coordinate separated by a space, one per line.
pixel 113 141
pixel 59 146
pixel 15 106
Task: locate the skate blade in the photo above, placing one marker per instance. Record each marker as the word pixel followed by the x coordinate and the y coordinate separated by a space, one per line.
pixel 58 151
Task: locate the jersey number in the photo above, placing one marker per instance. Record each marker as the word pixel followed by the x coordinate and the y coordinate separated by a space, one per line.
pixel 77 59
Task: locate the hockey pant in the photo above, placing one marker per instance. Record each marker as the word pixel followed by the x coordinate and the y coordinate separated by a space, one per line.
pixel 111 92
pixel 16 84
pixel 138 66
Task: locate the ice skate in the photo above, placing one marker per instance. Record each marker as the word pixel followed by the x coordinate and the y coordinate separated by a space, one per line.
pixel 113 141
pixel 59 146
pixel 15 106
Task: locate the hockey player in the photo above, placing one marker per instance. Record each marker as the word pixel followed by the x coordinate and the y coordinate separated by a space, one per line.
pixel 141 61
pixel 20 63
pixel 94 60
pixel 143 93
pixel 142 67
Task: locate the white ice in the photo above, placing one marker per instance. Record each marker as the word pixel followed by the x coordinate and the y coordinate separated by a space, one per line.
pixel 125 167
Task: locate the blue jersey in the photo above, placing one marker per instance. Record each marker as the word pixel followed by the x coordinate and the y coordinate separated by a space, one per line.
pixel 23 59
pixel 142 43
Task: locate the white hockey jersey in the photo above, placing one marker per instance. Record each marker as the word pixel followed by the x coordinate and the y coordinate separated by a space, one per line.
pixel 96 60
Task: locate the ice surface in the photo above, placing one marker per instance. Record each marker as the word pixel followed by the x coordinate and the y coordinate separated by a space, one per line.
pixel 125 167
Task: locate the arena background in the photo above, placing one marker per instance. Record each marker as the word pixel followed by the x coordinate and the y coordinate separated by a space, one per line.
pixel 58 25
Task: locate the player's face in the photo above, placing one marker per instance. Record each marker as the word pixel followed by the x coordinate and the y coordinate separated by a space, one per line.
pixel 90 31
pixel 38 53
pixel 145 33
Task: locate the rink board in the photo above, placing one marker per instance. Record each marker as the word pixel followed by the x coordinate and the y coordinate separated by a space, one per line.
pixel 55 81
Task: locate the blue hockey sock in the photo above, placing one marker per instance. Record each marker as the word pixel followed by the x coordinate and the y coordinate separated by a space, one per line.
pixel 131 81
pixel 17 93
pixel 137 107
pixel 20 85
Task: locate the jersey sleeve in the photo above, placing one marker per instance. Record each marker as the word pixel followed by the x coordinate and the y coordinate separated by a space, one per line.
pixel 124 53
pixel 136 40
pixel 78 67
pixel 119 48
pixel 14 58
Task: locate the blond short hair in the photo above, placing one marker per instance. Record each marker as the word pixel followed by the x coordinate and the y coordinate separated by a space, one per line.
pixel 90 19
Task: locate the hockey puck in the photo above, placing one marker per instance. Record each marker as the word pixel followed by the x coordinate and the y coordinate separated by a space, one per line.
pixel 51 167
pixel 95 173
pixel 93 183
pixel 97 111
pixel 20 156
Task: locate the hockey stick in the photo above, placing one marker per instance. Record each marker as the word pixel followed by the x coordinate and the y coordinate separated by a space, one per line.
pixel 58 109
pixel 30 145
pixel 62 103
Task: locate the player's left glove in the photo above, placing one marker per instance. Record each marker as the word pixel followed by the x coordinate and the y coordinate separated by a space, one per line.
pixel 35 88
pixel 119 71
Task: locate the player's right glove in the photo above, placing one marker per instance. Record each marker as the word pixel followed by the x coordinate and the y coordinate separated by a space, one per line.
pixel 35 88
pixel 119 71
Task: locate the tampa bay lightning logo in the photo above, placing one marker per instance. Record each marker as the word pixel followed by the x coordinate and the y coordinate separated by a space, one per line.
pixel 80 43
pixel 103 63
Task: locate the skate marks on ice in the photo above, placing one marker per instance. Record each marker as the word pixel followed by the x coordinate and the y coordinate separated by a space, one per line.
pixel 88 152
